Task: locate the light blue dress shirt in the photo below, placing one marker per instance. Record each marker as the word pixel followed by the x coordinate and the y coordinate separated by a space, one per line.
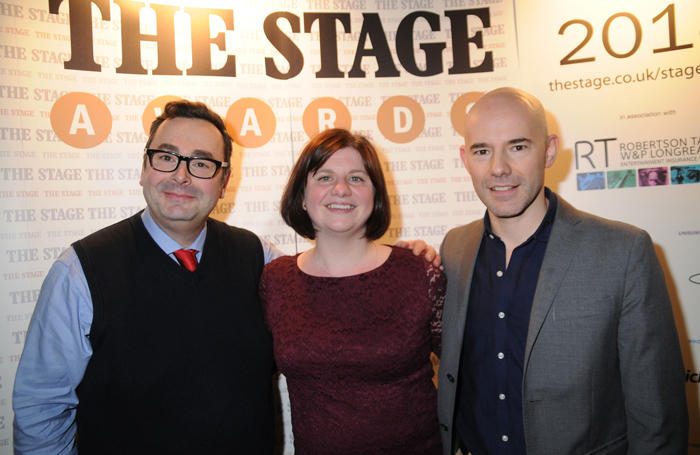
pixel 57 350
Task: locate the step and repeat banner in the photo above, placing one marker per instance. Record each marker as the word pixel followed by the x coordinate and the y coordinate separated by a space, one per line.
pixel 621 84
pixel 81 81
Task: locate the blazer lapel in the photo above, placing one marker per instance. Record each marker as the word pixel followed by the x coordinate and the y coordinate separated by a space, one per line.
pixel 469 243
pixel 561 248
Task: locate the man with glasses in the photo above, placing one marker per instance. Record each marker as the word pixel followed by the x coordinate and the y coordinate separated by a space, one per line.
pixel 139 354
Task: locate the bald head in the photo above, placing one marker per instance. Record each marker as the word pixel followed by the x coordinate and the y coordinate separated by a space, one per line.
pixel 528 107
pixel 506 151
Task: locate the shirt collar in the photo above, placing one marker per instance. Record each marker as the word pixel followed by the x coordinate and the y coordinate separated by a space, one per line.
pixel 543 231
pixel 165 242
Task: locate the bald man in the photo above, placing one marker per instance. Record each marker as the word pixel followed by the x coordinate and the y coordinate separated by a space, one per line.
pixel 558 333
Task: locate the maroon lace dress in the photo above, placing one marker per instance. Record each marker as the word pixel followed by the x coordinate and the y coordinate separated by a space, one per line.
pixel 356 354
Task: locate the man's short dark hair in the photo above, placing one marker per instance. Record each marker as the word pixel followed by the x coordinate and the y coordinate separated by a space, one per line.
pixel 318 150
pixel 197 110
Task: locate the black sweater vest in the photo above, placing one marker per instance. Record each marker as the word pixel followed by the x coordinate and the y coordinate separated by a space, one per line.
pixel 182 361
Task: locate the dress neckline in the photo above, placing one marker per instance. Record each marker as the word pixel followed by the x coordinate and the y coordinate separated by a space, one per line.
pixel 381 266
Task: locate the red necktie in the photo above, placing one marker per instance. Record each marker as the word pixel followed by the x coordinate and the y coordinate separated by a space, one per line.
pixel 187 259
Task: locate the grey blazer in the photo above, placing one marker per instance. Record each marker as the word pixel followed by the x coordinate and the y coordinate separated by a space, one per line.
pixel 603 369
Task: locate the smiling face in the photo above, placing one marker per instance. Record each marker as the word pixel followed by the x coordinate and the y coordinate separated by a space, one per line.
pixel 506 152
pixel 178 202
pixel 339 197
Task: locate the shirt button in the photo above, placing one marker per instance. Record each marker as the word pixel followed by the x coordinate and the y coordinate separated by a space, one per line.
pixel 500 355
pixel 451 378
pixel 501 315
pixel 502 396
pixel 505 438
pixel 499 274
pixel 491 236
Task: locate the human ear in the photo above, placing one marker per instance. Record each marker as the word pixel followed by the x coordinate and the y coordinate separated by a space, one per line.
pixel 463 156
pixel 552 150
pixel 223 186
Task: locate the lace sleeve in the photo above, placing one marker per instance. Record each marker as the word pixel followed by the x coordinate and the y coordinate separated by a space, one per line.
pixel 437 283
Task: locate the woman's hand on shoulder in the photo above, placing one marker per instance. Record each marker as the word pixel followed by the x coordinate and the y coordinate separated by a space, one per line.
pixel 419 246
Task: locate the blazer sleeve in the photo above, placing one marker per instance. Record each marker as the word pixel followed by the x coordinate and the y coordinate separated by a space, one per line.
pixel 651 363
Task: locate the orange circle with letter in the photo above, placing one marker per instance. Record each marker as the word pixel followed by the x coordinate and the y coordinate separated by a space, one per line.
pixel 81 120
pixel 251 122
pixel 458 114
pixel 154 109
pixel 400 119
pixel 325 113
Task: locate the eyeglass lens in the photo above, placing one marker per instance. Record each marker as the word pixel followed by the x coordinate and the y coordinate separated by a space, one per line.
pixel 199 167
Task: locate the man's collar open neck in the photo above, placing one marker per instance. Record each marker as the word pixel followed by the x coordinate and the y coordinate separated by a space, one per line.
pixel 515 230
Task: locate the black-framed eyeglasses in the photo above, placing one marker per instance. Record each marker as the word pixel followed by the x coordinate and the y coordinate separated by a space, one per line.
pixel 197 166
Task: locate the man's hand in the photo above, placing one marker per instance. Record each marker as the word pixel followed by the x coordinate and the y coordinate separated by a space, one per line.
pixel 418 247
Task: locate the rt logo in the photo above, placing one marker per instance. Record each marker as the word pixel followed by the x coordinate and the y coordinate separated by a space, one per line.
pixel 586 150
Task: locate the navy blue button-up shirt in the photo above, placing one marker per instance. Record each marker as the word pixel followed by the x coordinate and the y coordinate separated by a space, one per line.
pixel 490 410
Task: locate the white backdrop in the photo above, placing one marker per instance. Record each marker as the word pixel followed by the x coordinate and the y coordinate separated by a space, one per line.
pixel 620 81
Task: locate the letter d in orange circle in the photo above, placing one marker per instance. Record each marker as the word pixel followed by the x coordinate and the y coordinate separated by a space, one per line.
pixel 400 119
